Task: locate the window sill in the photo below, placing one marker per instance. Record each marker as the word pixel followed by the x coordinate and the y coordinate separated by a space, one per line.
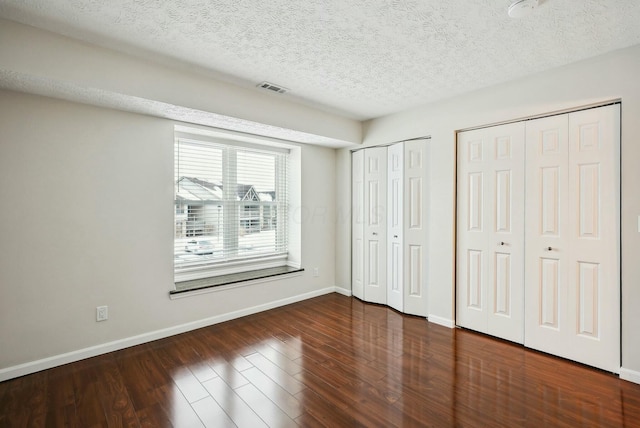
pixel 232 280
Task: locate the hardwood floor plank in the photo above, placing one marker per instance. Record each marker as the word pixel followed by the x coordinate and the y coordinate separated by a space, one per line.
pixel 352 390
pixel 225 348
pixel 175 361
pixel 319 412
pixel 88 407
pixel 282 341
pixel 328 372
pixel 316 386
pixel 202 371
pixel 143 372
pixel 174 406
pixel 279 359
pixel 307 420
pixel 330 361
pixel 281 397
pixel 244 342
pixel 238 411
pixel 60 417
pixel 117 406
pixel 359 342
pixel 261 404
pixel 279 376
pixel 154 416
pixel 228 373
pixel 25 402
pixel 61 400
pixel 211 414
pixel 189 385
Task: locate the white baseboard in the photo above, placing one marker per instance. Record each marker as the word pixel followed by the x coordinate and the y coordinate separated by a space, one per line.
pixel 343 291
pixel 445 322
pixel 630 375
pixel 92 351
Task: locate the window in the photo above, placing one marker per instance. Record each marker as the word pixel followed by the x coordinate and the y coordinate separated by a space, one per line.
pixel 231 205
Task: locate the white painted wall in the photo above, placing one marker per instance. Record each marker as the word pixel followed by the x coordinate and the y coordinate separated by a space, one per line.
pixel 609 77
pixel 87 220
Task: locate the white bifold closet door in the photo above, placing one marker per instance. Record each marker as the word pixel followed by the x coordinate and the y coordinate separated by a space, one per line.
pixel 407 228
pixel 375 225
pixel 572 237
pixel 389 226
pixel 415 236
pixel 538 234
pixel 369 225
pixel 490 231
pixel 395 250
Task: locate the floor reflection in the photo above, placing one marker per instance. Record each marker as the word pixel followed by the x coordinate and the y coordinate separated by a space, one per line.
pixel 510 385
pixel 331 361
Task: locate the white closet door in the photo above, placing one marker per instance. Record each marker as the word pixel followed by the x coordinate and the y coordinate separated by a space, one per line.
pixel 548 223
pixel 490 231
pixel 357 224
pixel 414 235
pixel 375 210
pixel 572 261
pixel 395 291
pixel 506 245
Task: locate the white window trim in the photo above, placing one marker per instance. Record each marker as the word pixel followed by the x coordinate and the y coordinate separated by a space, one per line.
pixel 267 144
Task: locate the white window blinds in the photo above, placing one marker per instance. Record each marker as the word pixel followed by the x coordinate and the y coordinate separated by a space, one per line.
pixel 230 204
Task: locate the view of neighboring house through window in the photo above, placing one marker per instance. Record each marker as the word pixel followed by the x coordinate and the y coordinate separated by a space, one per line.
pixel 230 204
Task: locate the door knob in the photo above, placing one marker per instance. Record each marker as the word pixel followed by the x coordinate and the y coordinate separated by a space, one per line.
pixel 503 243
pixel 395 236
pixel 549 249
pixel 375 233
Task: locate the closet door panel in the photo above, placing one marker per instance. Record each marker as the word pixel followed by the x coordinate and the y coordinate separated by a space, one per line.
pixel 375 228
pixel 594 206
pixel 414 234
pixel 573 304
pixel 505 294
pixel 490 234
pixel 471 234
pixel 547 216
pixel 395 256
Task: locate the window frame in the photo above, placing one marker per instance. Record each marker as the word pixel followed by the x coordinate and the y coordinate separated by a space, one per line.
pixel 252 143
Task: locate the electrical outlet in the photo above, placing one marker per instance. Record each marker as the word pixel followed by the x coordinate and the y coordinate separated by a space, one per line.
pixel 316 271
pixel 102 313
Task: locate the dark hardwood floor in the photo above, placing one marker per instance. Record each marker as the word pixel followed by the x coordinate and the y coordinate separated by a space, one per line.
pixel 330 361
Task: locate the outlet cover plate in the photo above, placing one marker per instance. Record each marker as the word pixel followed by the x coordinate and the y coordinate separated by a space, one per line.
pixel 102 313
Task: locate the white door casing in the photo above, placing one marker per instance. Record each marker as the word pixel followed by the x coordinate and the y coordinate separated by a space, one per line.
pixel 395 289
pixel 490 231
pixel 375 225
pixel 572 248
pixel 357 224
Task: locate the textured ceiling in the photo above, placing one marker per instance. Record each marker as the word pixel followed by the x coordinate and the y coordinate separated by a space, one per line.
pixel 360 58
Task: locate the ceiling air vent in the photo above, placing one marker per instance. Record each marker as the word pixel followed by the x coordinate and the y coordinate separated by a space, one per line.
pixel 272 87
